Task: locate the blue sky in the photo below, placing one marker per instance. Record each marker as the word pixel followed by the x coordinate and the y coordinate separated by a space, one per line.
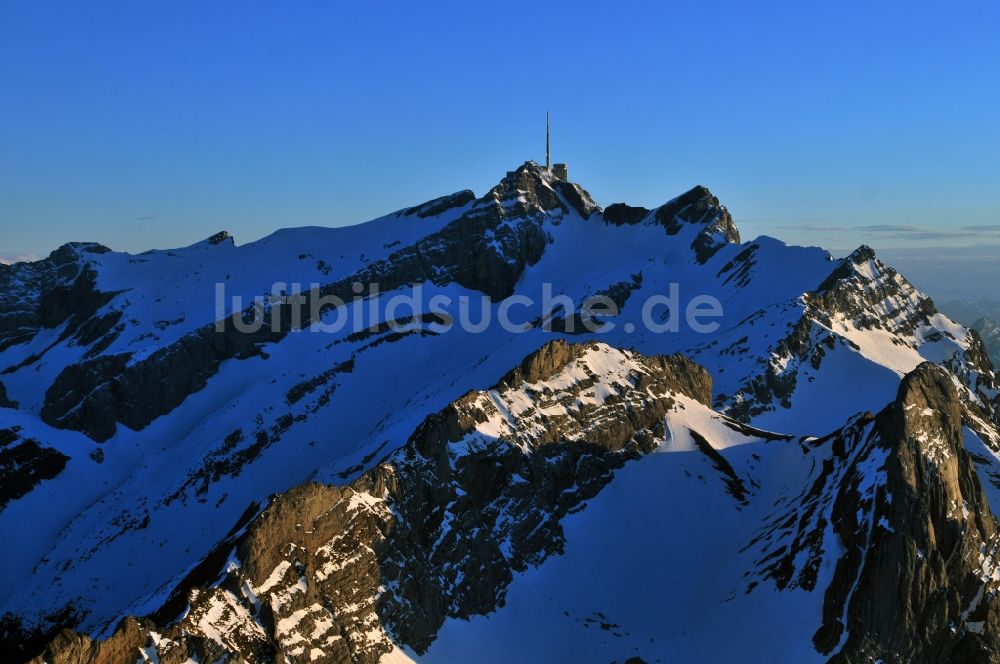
pixel 144 125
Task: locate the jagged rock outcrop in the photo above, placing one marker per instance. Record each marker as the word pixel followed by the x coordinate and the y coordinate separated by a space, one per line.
pixel 6 402
pixel 95 395
pixel 525 189
pixel 57 290
pixel 220 238
pixel 25 463
pixel 872 295
pixel 915 536
pixel 125 645
pixel 441 204
pixel 698 206
pixel 578 198
pixel 439 528
pixel 928 541
pixel 914 577
pixel 861 293
pixel 485 487
pixel 621 214
pixel 486 249
pixel 436 530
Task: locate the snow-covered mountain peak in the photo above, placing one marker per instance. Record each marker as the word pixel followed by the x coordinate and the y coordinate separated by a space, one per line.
pixel 570 392
pixel 474 497
pixel 135 403
pixel 699 207
pixel 75 250
pixel 872 295
pixel 532 188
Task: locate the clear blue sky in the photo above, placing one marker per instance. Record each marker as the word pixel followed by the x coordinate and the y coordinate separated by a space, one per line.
pixel 141 124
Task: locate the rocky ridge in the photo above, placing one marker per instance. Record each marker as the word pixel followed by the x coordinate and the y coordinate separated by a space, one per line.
pixel 861 294
pixel 439 528
pixel 915 578
pixel 479 250
pixel 485 249
pixel 794 318
pixel 436 529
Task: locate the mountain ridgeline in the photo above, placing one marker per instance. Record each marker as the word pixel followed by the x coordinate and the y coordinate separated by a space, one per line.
pixel 812 480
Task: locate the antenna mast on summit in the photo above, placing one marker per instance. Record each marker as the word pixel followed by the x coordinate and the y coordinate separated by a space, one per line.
pixel 547 165
pixel 558 171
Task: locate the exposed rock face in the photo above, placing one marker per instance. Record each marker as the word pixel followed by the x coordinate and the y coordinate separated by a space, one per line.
pixel 93 396
pixel 526 188
pixel 930 541
pixel 544 363
pixel 220 237
pixel 974 370
pixel 50 292
pixel 436 530
pixel 578 198
pixel 436 206
pixel 698 206
pixel 126 645
pixel 486 249
pixel 860 293
pixel 458 510
pixel 872 295
pixel 915 580
pixel 480 490
pixel 621 214
pixel 481 250
pixel 695 207
pixel 4 401
pixel 589 320
pixel 25 463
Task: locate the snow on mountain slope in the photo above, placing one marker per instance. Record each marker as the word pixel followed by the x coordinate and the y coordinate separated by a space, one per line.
pixel 670 521
pixel 189 427
pixel 662 567
pixel 477 493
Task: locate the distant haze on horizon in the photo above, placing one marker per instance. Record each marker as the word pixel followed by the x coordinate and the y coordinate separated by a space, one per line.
pixel 838 125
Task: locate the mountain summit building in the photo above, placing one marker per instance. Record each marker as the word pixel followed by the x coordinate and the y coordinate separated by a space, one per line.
pixel 560 171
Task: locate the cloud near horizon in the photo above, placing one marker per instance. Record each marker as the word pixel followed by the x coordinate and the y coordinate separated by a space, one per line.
pixel 886 231
pixel 7 258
